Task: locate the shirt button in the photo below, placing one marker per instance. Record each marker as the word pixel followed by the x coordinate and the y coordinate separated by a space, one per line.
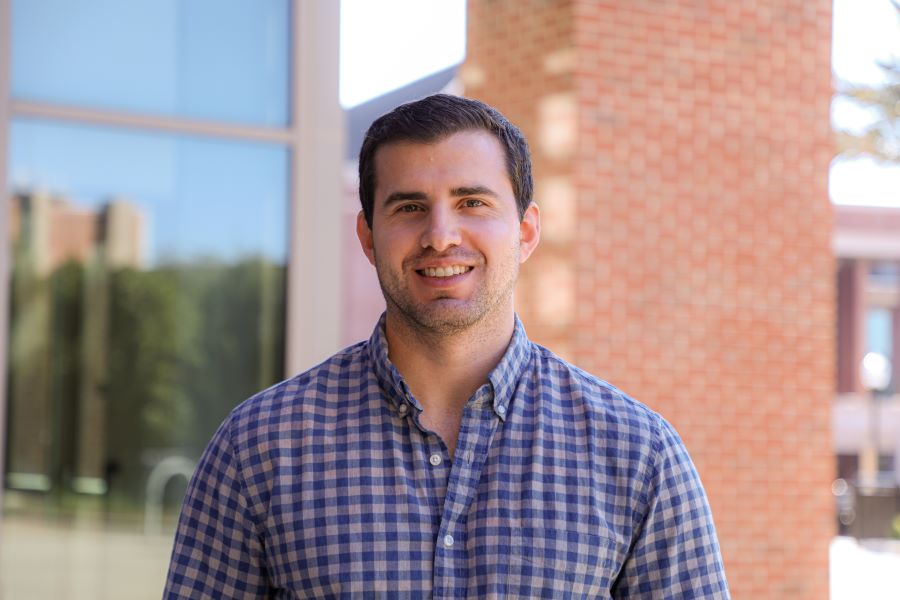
pixel 403 408
pixel 435 460
pixel 448 540
pixel 501 409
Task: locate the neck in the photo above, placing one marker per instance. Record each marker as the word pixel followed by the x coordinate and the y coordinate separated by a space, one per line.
pixel 444 370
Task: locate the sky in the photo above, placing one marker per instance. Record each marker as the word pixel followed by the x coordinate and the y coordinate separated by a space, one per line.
pixel 228 61
pixel 866 32
pixel 390 43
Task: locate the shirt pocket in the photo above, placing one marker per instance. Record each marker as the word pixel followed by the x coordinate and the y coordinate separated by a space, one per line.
pixel 561 563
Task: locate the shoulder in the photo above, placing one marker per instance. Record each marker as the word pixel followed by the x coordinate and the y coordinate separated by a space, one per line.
pixel 627 444
pixel 307 400
pixel 570 388
pixel 274 430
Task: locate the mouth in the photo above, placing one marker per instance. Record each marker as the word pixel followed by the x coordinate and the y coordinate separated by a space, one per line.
pixel 449 271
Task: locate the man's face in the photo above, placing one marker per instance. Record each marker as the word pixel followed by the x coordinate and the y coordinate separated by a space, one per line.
pixel 446 239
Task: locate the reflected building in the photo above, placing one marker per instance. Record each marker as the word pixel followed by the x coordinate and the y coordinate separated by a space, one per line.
pixel 51 230
pixel 123 234
pixel 63 254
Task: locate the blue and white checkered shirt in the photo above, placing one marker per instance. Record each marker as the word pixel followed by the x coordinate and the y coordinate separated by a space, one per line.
pixel 328 486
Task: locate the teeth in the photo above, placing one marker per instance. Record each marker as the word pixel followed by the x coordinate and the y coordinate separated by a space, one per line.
pixel 445 271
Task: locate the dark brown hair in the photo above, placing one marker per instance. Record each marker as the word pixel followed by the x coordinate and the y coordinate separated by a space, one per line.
pixel 434 118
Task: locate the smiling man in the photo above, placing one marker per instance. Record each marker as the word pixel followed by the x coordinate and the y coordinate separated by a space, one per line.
pixel 447 455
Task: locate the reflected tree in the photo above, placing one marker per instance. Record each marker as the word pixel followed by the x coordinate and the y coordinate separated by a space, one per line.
pixel 111 370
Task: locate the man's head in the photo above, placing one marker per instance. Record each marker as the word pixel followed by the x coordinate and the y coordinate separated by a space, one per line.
pixel 435 118
pixel 447 216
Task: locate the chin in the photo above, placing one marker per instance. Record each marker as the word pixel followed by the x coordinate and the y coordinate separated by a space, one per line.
pixel 452 316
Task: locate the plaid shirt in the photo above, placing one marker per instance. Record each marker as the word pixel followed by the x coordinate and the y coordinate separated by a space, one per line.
pixel 327 485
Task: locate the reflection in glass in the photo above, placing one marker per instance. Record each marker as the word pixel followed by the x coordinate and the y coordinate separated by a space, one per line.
pixel 147 301
pixel 225 61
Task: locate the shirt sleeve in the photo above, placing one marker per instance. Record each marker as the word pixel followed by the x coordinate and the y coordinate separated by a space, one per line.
pixel 675 552
pixel 218 551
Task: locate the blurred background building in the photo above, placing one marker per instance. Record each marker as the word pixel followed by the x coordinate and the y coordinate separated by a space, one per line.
pixel 180 183
pixel 867 421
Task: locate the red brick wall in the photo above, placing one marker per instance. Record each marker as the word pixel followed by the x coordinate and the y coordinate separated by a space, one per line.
pixel 681 152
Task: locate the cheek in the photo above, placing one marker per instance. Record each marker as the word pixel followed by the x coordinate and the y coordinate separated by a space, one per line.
pixel 498 236
pixel 391 242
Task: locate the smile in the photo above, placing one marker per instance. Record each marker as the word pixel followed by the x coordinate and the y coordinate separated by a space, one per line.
pixel 444 271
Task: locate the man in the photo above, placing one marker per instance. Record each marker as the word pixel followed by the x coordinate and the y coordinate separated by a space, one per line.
pixel 447 456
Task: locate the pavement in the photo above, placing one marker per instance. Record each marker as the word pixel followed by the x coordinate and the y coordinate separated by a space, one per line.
pixel 80 562
pixel 867 570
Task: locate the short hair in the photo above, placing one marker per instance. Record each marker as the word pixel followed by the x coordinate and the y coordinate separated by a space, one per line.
pixel 436 117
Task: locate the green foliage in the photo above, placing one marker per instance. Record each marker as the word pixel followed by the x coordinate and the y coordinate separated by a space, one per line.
pixel 165 353
pixel 147 342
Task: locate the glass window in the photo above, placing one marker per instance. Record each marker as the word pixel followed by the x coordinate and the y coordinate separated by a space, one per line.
pixel 885 274
pixel 879 328
pixel 886 464
pixel 147 301
pixel 225 61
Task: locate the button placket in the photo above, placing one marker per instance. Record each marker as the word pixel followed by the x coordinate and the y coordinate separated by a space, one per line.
pixel 477 429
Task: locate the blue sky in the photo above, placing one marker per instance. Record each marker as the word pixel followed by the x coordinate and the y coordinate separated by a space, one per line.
pixel 224 61
pixel 199 197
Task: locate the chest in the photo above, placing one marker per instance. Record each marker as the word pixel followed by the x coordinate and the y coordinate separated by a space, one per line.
pixel 382 509
pixel 445 422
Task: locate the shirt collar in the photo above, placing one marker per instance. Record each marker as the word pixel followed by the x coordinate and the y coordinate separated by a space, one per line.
pixel 502 379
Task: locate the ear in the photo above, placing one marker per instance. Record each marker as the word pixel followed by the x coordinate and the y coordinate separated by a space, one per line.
pixel 529 232
pixel 364 233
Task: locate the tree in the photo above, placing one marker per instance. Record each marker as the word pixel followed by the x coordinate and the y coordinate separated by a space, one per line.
pixel 880 139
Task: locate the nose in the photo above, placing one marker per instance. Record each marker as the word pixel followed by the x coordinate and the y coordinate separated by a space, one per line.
pixel 441 229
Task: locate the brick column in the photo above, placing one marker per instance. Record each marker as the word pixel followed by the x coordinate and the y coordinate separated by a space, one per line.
pixel 682 153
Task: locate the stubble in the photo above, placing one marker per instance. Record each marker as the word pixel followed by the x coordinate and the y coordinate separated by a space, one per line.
pixel 447 316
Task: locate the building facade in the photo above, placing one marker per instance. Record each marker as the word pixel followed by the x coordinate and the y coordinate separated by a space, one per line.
pixel 867 422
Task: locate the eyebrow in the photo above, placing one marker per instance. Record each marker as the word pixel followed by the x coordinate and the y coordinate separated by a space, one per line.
pixel 458 192
pixel 476 190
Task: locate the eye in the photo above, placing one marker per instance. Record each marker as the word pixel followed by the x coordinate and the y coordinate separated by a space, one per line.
pixel 408 208
pixel 472 203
